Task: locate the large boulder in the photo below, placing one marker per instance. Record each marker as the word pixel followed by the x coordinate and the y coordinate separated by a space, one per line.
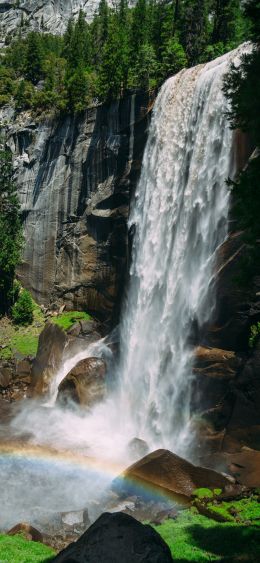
pixel 165 470
pixel 117 538
pixel 84 384
pixel 27 531
pixel 49 356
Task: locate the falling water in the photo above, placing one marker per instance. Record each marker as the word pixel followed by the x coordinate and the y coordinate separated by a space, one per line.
pixel 180 216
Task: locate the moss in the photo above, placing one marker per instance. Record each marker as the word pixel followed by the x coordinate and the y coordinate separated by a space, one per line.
pixel 192 537
pixel 16 549
pixel 67 320
pixel 203 493
pixel 240 511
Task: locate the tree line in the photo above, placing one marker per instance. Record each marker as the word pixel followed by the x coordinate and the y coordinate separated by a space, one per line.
pixel 121 49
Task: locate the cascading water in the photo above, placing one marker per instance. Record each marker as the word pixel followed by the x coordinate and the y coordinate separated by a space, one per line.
pixel 180 216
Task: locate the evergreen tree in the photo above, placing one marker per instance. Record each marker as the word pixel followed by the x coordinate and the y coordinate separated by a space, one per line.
pixel 228 23
pixel 173 58
pixel 195 29
pixel 34 58
pixel 22 310
pixel 10 231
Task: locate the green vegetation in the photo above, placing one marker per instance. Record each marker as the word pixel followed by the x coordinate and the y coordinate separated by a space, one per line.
pixel 254 334
pixel 206 493
pixel 193 537
pixel 22 310
pixel 16 549
pixel 242 87
pixel 66 320
pixel 121 48
pixel 10 233
pixel 19 340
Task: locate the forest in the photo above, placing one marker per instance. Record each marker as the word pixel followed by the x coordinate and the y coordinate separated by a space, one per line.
pixel 121 50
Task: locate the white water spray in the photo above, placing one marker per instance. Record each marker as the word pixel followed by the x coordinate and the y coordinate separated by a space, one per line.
pixel 180 217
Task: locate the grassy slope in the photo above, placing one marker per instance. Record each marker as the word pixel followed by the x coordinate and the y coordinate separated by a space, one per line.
pixel 192 537
pixel 23 340
pixel 16 549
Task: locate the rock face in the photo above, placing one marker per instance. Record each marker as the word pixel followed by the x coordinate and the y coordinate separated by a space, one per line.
pixel 75 177
pixel 42 15
pixel 51 346
pixel 84 384
pixel 164 470
pixel 117 538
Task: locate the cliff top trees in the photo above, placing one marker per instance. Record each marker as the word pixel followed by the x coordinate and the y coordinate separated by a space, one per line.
pixel 10 231
pixel 121 48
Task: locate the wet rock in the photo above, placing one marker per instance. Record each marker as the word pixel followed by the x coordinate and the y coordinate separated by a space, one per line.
pixel 216 363
pixel 117 538
pixel 28 531
pixel 23 369
pixel 74 330
pixel 75 517
pixel 6 375
pixel 166 471
pixel 84 384
pixel 138 448
pixel 51 346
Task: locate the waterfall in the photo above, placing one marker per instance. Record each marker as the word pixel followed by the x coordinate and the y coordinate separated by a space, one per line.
pixel 180 217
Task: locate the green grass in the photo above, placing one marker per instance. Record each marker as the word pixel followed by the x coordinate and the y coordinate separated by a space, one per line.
pixel 16 549
pixel 23 340
pixel 192 537
pixel 66 320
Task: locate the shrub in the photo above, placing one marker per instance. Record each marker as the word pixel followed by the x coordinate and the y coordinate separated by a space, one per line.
pixel 22 311
pixel 254 334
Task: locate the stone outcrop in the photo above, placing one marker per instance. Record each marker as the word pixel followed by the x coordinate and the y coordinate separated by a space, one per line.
pixel 41 15
pixel 117 538
pixel 84 384
pixel 49 356
pixel 75 178
pixel 165 470
pixel 27 531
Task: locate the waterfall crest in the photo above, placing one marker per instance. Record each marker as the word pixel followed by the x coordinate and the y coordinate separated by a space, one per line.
pixel 180 215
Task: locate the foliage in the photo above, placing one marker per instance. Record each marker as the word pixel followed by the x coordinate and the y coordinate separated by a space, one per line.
pixel 254 334
pixel 22 310
pixel 242 88
pixel 121 48
pixel 10 232
pixel 206 493
pixel 66 320
pixel 16 549
pixel 192 537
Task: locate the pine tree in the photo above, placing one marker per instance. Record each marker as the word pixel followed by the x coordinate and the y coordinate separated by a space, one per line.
pixel 195 29
pixel 10 231
pixel 228 24
pixel 34 58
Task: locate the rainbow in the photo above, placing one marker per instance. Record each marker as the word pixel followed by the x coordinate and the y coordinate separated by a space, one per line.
pixel 73 460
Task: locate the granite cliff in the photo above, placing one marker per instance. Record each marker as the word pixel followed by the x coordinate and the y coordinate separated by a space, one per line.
pixel 75 177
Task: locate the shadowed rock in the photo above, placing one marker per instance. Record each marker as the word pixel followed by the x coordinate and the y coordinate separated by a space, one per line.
pixel 117 538
pixel 51 345
pixel 84 384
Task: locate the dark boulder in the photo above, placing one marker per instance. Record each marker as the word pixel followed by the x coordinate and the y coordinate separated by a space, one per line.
pixel 84 384
pixel 166 471
pixel 117 538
